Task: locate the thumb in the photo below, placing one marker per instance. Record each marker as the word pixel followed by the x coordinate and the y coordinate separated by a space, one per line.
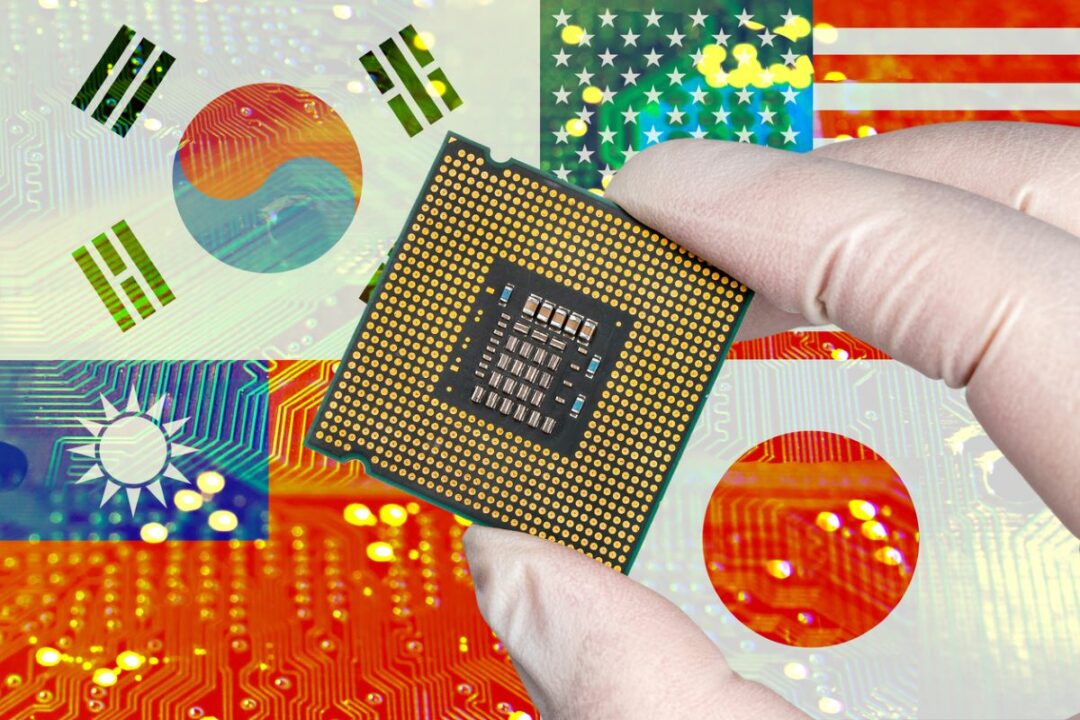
pixel 591 643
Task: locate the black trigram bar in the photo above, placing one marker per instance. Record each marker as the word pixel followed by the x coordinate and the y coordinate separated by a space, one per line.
pixel 385 82
pixel 124 276
pixel 132 69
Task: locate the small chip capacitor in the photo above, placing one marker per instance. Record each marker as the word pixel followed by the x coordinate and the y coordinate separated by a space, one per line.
pixel 573 324
pixel 531 304
pixel 588 329
pixel 559 317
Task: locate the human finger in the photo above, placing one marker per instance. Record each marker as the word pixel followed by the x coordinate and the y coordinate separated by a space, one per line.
pixel 951 283
pixel 1030 167
pixel 591 643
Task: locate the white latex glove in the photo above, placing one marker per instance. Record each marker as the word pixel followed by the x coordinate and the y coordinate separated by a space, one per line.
pixel 953 248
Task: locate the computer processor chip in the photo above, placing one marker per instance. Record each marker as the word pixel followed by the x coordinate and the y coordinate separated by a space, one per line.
pixel 533 358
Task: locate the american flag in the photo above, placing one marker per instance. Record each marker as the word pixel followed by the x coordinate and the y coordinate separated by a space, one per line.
pixel 876 67
pixel 885 66
pixel 614 81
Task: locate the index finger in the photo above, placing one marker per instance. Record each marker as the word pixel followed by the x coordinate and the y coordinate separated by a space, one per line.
pixel 953 284
pixel 1031 167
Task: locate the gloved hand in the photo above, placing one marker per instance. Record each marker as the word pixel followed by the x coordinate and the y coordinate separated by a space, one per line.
pixel 954 248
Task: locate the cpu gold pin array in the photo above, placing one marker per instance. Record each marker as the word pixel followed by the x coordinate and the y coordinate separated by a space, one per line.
pixel 390 403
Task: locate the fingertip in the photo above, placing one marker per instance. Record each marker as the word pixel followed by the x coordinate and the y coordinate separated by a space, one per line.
pixel 496 552
pixel 642 169
pixel 649 187
pixel 665 184
pixel 473 538
pixel 477 542
pixel 482 541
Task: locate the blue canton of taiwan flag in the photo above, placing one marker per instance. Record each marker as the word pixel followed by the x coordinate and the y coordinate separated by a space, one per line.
pixel 123 450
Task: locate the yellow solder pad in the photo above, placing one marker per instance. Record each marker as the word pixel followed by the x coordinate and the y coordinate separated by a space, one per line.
pixel 489 294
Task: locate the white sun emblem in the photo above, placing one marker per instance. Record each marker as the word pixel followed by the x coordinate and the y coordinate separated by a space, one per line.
pixel 133 450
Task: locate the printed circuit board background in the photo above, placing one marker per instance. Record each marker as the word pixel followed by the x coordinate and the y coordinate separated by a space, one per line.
pixel 349 599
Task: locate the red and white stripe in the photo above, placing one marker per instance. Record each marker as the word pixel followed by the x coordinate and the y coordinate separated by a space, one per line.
pixel 925 61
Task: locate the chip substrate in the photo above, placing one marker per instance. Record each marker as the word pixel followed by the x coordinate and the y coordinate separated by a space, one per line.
pixel 533 358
